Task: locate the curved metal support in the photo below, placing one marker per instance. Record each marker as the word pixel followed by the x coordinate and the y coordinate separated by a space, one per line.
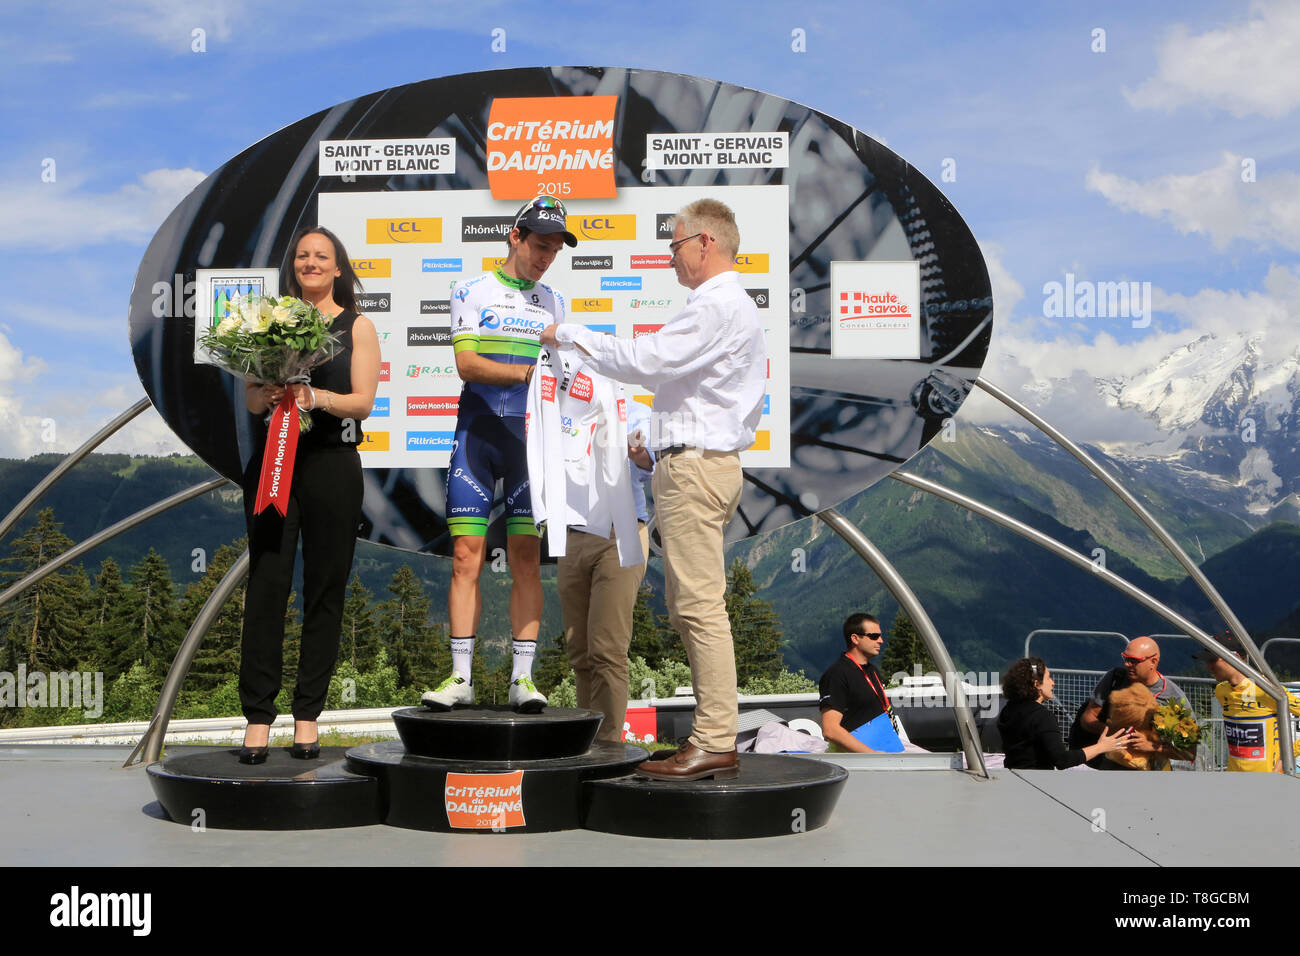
pixel 966 728
pixel 1145 516
pixel 150 746
pixel 1053 630
pixel 62 467
pixel 1273 689
pixel 112 531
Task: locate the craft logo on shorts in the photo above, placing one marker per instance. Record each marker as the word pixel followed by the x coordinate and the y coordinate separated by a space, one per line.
pixel 484 801
pixel 665 223
pixel 384 372
pixel 651 262
pixel 440 265
pixel 751 262
pixel 638 303
pixel 486 228
pixel 428 335
pixel 591 305
pixel 615 283
pixel 491 263
pixel 373 268
pixel 551 145
pixel 381 407
pixel 603 227
pixel 591 262
pixel 374 302
pixel 432 405
pixel 760 297
pixel 435 306
pixel 373 441
pixel 640 330
pixel 581 387
pixel 429 441
pixel 403 230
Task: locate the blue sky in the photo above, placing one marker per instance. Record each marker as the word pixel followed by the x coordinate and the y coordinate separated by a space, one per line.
pixel 1115 164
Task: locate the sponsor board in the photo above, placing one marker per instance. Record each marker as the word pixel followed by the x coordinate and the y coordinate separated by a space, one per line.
pixel 486 228
pixel 403 230
pixel 385 371
pixel 647 400
pixel 637 302
pixel 593 228
pixel 640 330
pixel 665 223
pixel 484 801
pixel 432 404
pixel 767 404
pixel 591 262
pixel 751 262
pixel 606 329
pixel 429 441
pixel 751 150
pixel 651 262
pixel 491 263
pixel 875 310
pixel 374 302
pixel 431 371
pixel 762 441
pixel 386 157
pixel 435 306
pixel 381 407
pixel 760 297
pixel 591 305
pixel 215 289
pixel 551 145
pixel 373 268
pixel 423 335
pixel 441 265
pixel 373 441
pixel 614 283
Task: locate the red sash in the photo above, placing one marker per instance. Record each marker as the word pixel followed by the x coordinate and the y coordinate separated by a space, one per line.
pixel 277 458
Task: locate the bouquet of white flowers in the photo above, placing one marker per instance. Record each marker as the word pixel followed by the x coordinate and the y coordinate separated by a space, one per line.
pixel 272 341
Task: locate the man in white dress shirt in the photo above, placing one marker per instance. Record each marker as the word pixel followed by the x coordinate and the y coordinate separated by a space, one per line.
pixel 708 370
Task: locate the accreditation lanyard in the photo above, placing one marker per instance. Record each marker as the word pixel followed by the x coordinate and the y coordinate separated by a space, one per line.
pixel 880 693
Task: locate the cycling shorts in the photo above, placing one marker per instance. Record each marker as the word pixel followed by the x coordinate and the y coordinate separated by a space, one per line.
pixel 486 448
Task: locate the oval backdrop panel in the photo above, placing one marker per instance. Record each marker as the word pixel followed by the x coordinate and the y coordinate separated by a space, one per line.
pixel 875 296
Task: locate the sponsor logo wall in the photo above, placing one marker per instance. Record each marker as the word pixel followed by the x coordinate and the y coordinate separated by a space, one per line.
pixel 411 248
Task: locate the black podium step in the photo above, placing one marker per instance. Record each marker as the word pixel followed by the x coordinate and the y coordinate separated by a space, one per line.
pixel 486 796
pixel 497 733
pixel 281 794
pixel 774 795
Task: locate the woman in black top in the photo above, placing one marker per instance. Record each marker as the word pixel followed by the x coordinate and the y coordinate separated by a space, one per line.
pixel 324 503
pixel 1031 738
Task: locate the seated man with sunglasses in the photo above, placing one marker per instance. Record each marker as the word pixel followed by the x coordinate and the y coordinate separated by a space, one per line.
pixel 496 325
pixel 1141 664
pixel 856 714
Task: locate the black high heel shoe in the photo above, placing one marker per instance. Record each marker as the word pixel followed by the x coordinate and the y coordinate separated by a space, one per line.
pixel 255 755
pixel 305 751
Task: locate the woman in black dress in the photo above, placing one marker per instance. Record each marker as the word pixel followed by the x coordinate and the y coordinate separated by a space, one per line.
pixel 1031 738
pixel 324 503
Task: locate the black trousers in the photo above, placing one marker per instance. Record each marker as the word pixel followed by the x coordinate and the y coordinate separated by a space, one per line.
pixel 325 508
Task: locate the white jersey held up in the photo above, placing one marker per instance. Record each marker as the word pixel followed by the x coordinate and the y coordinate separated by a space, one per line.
pixel 577 455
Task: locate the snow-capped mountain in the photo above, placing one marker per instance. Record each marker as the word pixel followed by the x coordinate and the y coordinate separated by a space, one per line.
pixel 1235 406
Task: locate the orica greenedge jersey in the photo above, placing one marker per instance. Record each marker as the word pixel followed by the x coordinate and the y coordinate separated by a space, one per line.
pixel 501 319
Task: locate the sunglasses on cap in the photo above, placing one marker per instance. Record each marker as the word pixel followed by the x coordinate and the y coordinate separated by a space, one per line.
pixel 541 203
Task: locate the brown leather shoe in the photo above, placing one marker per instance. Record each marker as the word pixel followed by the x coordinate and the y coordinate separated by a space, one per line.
pixel 692 763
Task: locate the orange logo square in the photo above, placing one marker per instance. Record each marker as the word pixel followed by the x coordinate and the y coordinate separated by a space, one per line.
pixel 559 146
pixel 484 801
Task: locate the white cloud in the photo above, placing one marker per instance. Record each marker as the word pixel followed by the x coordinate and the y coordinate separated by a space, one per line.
pixel 1214 202
pixel 132 99
pixel 1246 68
pixel 171 24
pixel 62 215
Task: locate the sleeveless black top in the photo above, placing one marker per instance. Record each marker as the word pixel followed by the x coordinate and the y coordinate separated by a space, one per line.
pixel 327 430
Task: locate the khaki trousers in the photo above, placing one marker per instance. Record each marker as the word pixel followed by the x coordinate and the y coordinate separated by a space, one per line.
pixel 596 599
pixel 696 494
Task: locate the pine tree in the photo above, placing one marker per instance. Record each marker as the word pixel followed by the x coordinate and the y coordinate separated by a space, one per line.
pixel 217 658
pixel 44 623
pixel 647 639
pixel 904 649
pixel 359 642
pixel 552 664
pixel 755 629
pixel 155 626
pixel 414 645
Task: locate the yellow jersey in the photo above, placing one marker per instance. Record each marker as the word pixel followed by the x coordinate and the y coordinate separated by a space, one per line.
pixel 1250 725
